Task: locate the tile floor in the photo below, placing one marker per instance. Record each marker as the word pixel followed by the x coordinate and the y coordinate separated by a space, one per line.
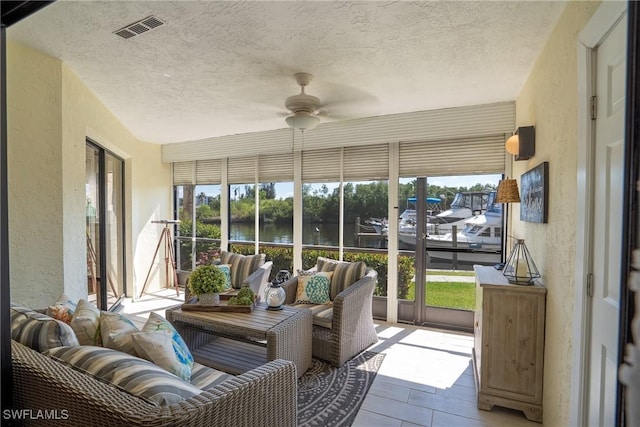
pixel 426 378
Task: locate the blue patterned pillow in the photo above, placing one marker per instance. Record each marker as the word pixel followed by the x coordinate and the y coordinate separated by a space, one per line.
pixel 313 287
pixel 226 269
pixel 161 344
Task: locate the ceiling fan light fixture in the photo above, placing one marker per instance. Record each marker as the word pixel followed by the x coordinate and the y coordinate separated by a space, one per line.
pixel 302 120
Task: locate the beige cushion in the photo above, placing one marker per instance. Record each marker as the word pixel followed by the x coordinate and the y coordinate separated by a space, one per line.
pixel 116 331
pixel 39 331
pixel 322 313
pixel 241 266
pixel 86 323
pixel 131 374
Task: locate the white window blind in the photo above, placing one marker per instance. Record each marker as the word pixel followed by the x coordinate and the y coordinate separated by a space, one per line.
pixel 366 162
pixel 209 171
pixel 466 156
pixel 321 165
pixel 241 170
pixel 183 173
pixel 275 167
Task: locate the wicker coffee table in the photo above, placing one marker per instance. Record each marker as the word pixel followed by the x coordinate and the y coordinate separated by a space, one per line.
pixel 238 342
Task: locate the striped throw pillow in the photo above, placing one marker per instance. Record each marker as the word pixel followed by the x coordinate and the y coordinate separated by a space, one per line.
pixel 326 264
pixel 131 374
pixel 39 331
pixel 241 266
pixel 345 273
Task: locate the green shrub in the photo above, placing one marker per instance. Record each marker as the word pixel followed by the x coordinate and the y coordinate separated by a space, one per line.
pixel 206 279
pixel 282 258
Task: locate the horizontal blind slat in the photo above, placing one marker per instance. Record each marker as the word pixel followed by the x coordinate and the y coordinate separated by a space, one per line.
pixel 275 167
pixel 466 156
pixel 321 165
pixel 209 171
pixel 241 170
pixel 184 173
pixel 368 162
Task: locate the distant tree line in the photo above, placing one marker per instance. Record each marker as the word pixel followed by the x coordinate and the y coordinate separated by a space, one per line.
pixel 320 205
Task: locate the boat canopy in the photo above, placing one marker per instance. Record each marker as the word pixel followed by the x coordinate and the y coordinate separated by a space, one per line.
pixel 429 200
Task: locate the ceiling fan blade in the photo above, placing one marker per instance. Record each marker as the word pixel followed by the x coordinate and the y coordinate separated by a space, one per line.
pixel 341 102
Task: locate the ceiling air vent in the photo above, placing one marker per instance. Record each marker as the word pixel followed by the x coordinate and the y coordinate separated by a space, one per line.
pixel 139 27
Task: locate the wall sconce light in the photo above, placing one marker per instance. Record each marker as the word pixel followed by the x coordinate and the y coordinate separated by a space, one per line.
pixel 508 191
pixel 522 144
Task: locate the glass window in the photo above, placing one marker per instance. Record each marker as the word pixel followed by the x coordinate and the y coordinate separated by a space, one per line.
pixel 242 207
pixel 276 212
pixel 202 203
pixel 207 230
pixel 321 214
pixel 183 196
pixel 365 214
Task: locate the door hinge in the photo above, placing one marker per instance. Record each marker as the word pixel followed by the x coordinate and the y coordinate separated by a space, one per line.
pixel 594 107
pixel 590 285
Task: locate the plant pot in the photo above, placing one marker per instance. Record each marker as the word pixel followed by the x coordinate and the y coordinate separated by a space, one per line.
pixel 210 299
pixel 183 275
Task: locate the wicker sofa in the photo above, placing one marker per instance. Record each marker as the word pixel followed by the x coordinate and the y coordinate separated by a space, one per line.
pixel 53 384
pixel 265 396
pixel 344 328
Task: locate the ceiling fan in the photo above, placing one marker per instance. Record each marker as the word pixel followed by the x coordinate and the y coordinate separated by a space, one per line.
pixel 304 107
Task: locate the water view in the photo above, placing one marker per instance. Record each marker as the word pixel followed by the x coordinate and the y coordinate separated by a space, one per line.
pixel 312 234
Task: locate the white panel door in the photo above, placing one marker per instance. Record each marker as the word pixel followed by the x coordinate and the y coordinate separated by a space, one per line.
pixel 607 230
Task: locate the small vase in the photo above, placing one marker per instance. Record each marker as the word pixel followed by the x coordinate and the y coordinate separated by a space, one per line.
pixel 210 299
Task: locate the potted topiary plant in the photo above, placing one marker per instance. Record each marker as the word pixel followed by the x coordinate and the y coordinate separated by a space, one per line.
pixel 206 282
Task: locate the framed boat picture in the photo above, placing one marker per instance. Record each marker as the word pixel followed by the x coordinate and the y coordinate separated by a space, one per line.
pixel 534 199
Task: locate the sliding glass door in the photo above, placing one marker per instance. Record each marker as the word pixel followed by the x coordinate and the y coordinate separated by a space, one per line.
pixel 446 225
pixel 104 212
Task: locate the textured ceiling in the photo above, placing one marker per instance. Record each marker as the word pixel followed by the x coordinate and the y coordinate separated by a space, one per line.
pixel 222 68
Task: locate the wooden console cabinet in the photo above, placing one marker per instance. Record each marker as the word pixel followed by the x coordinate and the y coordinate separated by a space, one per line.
pixel 509 343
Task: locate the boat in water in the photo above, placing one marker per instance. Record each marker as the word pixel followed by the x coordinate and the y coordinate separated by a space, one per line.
pixel 464 206
pixel 481 234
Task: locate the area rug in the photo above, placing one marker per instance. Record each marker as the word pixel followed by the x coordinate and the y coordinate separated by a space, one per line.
pixel 329 396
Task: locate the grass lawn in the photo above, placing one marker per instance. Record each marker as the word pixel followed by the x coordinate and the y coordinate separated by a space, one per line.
pixel 461 295
pixel 451 273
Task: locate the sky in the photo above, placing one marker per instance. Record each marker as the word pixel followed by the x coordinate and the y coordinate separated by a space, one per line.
pixel 285 189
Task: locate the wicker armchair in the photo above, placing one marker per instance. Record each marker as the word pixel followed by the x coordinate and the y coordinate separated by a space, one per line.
pixel 352 329
pixel 265 396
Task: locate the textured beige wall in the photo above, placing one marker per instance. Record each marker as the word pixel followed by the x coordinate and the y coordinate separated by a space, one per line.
pixel 34 155
pixel 549 100
pixel 50 114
